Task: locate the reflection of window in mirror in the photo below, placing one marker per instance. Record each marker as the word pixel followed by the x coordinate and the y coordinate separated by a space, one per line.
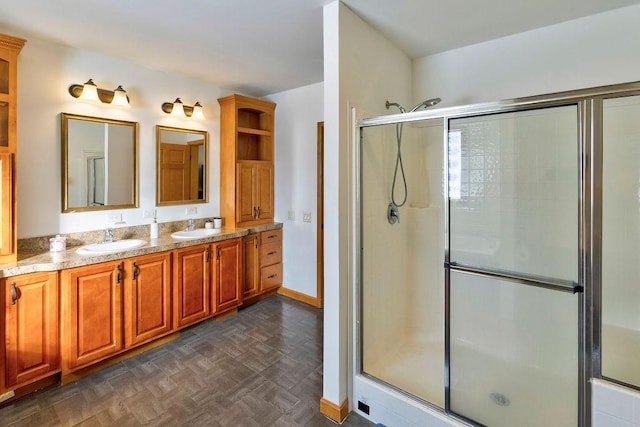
pixel 99 163
pixel 181 166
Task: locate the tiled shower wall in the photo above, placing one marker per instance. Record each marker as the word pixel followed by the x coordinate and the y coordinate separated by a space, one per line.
pixel 614 406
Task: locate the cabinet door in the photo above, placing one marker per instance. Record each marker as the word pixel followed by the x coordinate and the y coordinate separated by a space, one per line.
pixel 245 200
pixel 91 313
pixel 251 277
pixel 264 190
pixel 227 275
pixel 7 209
pixel 147 300
pixel 191 285
pixel 31 328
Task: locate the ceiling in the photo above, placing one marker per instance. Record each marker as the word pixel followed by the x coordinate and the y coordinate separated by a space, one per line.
pixel 258 47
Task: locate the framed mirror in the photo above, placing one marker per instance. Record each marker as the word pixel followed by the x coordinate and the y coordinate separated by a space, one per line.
pixel 181 171
pixel 99 163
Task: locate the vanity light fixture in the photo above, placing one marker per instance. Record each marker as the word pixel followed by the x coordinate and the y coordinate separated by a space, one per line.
pixel 91 92
pixel 178 109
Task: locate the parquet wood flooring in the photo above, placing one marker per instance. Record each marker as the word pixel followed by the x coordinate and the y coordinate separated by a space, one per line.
pixel 260 367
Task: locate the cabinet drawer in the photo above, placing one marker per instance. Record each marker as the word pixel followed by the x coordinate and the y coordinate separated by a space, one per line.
pixel 271 253
pixel 271 276
pixel 267 237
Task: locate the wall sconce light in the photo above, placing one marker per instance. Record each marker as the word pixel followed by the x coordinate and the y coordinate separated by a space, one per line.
pixel 91 92
pixel 178 109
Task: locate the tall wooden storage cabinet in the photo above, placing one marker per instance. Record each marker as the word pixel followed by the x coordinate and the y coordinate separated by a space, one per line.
pixel 9 49
pixel 246 160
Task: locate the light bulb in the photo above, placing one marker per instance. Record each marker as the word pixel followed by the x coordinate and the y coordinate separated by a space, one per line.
pixel 198 112
pixel 178 108
pixel 120 97
pixel 90 91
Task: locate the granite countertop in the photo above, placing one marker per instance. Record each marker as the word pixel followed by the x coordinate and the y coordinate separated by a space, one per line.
pixel 29 262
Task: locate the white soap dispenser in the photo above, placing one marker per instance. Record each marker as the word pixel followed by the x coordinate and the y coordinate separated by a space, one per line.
pixel 153 229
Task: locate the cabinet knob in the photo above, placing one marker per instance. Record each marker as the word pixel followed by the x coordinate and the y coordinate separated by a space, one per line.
pixel 14 293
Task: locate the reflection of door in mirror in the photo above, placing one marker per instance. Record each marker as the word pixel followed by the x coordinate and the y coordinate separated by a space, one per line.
pixel 95 180
pixel 181 166
pixel 99 163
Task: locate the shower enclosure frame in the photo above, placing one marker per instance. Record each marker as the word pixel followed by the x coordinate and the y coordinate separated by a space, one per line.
pixel 590 146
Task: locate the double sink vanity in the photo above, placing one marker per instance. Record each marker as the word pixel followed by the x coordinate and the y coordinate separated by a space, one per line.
pixel 67 313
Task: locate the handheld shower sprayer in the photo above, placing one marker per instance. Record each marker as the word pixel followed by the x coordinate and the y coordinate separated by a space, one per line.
pixel 393 211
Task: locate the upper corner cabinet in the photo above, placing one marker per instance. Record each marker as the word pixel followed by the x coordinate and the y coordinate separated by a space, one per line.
pixel 246 160
pixel 9 49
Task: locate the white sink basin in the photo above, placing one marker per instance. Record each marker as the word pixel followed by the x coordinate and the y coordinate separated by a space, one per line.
pixel 110 247
pixel 198 233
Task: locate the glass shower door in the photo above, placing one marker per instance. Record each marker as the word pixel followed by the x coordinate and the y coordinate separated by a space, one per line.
pixel 513 268
pixel 402 292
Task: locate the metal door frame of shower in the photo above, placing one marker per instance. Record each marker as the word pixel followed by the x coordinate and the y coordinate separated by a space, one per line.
pixel 589 115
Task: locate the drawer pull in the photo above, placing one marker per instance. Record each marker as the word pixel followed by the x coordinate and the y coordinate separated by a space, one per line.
pixel 14 293
pixel 273 276
pixel 272 236
pixel 118 273
pixel 136 271
pixel 272 253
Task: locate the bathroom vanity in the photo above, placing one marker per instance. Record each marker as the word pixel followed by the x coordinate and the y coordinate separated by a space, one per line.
pixel 66 315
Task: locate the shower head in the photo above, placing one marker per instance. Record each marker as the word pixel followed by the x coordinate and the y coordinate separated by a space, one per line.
pixel 389 104
pixel 426 104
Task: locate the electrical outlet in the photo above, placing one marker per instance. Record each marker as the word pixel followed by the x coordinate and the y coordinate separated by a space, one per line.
pixel 306 216
pixel 147 214
pixel 292 215
pixel 192 211
pixel 114 218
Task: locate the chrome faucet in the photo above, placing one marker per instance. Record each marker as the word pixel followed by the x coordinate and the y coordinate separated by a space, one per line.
pixel 190 225
pixel 108 235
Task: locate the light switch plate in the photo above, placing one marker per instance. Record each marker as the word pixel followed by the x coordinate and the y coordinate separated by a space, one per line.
pixel 192 211
pixel 306 216
pixel 292 215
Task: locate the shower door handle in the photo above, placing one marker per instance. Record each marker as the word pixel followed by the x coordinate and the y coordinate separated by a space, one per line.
pixel 523 278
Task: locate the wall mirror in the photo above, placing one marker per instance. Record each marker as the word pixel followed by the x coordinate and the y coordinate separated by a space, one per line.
pixel 99 163
pixel 181 172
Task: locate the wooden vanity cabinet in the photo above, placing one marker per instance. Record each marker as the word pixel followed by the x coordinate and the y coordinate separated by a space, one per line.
pixel 270 259
pixel 9 49
pixel 91 313
pixel 263 262
pixel 191 285
pixel 31 346
pixel 147 298
pixel 226 278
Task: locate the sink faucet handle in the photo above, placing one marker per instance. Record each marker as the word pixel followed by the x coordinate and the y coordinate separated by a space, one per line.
pixel 191 224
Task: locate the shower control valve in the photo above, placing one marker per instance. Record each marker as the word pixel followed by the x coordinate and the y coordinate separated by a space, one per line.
pixel 393 214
